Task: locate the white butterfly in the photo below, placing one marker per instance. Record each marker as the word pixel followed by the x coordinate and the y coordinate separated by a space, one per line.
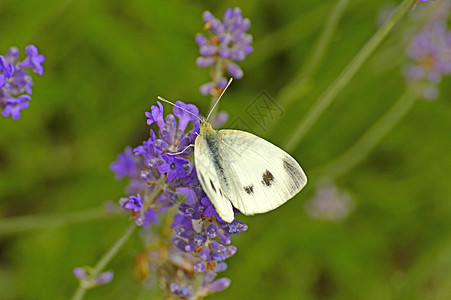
pixel 238 168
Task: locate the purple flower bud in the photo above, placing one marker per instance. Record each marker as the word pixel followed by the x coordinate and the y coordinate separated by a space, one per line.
pixel 207 50
pixel 204 253
pixel 212 231
pixel 217 256
pixel 220 119
pixel 200 239
pixel 219 285
pixel 204 62
pixel 199 266
pixel 234 70
pixel 80 273
pixel 201 39
pixel 104 278
pixel 220 266
pixel 217 247
pixel 12 55
pixel 230 251
pixel 208 17
pixel 179 291
pixel 206 88
pixel 209 276
pixel 191 246
pixel 235 227
pixel 224 237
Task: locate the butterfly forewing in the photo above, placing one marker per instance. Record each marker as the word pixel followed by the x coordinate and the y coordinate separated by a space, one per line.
pixel 211 176
pixel 260 175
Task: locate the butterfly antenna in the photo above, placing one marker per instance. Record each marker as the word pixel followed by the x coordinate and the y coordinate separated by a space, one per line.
pixel 219 98
pixel 167 101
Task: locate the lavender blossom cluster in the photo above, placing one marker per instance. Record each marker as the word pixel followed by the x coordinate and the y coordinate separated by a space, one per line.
pixel 430 53
pixel 15 82
pixel 199 241
pixel 225 43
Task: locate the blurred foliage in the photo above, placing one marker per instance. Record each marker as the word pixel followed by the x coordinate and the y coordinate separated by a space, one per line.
pixel 107 60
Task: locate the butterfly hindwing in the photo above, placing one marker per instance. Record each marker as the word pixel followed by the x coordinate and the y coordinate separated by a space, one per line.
pixel 260 175
pixel 211 176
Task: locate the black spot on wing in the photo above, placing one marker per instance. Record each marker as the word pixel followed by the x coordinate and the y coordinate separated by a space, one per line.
pixel 268 178
pixel 249 189
pixel 212 186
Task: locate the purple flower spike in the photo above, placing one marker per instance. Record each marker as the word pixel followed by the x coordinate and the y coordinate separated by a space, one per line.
pixel 15 81
pixel 34 59
pixel 13 106
pixel 430 52
pixel 199 240
pixel 226 42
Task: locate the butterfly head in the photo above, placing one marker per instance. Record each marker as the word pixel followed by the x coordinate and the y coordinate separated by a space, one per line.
pixel 205 127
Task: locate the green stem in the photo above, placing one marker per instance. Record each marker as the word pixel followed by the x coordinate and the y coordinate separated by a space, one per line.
pixel 112 252
pixel 106 258
pixel 371 138
pixel 298 86
pixel 27 223
pixel 345 76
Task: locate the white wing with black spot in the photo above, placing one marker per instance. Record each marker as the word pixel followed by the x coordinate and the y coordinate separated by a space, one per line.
pixel 260 176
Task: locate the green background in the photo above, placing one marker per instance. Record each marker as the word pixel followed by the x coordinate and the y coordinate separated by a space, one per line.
pixel 106 61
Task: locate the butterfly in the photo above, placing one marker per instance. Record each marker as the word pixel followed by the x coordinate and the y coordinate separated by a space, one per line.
pixel 238 169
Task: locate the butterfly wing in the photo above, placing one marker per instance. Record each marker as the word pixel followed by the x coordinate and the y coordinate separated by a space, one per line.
pixel 211 175
pixel 261 176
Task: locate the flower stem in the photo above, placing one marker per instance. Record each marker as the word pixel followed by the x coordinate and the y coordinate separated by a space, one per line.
pixel 345 76
pixel 106 258
pixel 357 152
pixel 21 224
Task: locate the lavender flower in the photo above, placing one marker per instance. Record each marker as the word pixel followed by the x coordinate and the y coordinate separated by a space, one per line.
pixel 162 173
pixel 430 52
pixel 226 42
pixel 15 81
pixel 329 203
